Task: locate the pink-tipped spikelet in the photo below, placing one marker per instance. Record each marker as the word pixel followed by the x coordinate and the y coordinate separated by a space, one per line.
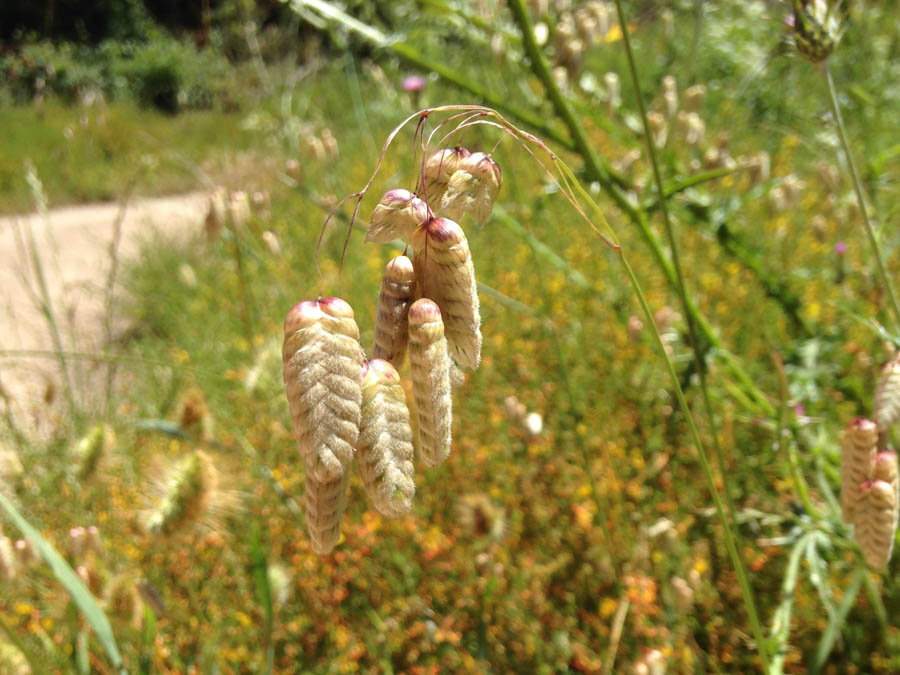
pixel 876 522
pixel 439 167
pixel 385 448
pixel 322 362
pixel 857 455
pixel 430 368
pixel 445 274
pixel 398 213
pixel 472 188
pixel 391 326
pixel 887 396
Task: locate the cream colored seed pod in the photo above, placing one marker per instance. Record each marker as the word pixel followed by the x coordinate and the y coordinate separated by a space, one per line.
pixel 473 187
pixel 884 467
pixel 322 362
pixel 398 213
pixel 398 287
pixel 430 368
pixel 876 522
pixel 857 454
pixel 439 167
pixel 445 274
pixel 385 448
pixel 887 396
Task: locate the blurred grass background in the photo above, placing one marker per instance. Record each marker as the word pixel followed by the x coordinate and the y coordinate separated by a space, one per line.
pixel 504 564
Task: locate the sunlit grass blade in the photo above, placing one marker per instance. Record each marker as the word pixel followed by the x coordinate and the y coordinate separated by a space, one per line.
pixel 781 619
pixel 263 591
pixel 79 593
pixel 833 629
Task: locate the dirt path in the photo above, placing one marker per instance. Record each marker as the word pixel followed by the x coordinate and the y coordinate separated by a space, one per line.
pixel 74 246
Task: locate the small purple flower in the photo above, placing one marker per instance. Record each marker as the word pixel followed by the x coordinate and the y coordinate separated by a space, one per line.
pixel 840 248
pixel 413 84
pixel 799 409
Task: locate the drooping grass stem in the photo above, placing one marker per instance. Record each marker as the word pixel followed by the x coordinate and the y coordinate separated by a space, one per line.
pixel 737 558
pixel 860 197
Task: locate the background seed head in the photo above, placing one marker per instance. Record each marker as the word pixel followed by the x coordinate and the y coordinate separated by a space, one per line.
pixel 887 396
pixel 857 456
pixel 876 522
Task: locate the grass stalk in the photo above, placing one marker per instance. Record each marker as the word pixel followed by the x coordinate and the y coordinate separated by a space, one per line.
pixel 737 558
pixel 860 197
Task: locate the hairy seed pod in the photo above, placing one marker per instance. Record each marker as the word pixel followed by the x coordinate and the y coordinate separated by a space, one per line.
pixel 472 188
pixel 445 274
pixel 876 522
pixel 439 167
pixel 398 213
pixel 887 396
pixel 398 287
pixel 430 367
pixel 385 447
pixel 190 490
pixel 322 362
pixel 857 454
pixel 884 467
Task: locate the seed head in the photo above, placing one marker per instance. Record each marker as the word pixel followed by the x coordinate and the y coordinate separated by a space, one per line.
pixel 398 213
pixel 92 449
pixel 9 567
pixel 385 447
pixel 876 522
pixel 445 274
pixel 857 457
pixel 190 489
pixel 472 188
pixel 887 396
pixel 816 26
pixel 430 369
pixel 693 97
pixel 884 468
pixel 123 601
pixel 398 286
pixel 322 364
pixel 439 167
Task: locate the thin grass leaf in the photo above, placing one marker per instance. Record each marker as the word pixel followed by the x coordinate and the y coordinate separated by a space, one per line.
pixel 263 591
pixel 833 629
pixel 79 593
pixel 148 638
pixel 818 570
pixel 781 619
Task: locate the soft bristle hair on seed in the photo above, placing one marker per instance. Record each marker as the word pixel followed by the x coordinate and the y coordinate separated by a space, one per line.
pixel 322 365
pixel 190 489
pixel 472 188
pixel 439 167
pixel 876 522
pixel 398 213
pixel 398 287
pixel 887 396
pixel 857 455
pixel 446 275
pixel 430 369
pixel 385 447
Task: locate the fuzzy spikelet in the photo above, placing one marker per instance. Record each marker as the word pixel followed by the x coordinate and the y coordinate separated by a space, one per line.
pixel 472 188
pixel 857 455
pixel 92 449
pixel 884 467
pixel 322 374
pixel 430 367
pixel 9 567
pixel 391 325
pixel 398 213
pixel 385 447
pixel 876 522
pixel 887 396
pixel 439 167
pixel 190 491
pixel 445 274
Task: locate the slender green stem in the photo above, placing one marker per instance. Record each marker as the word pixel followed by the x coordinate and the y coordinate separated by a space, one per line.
pixel 860 197
pixel 737 558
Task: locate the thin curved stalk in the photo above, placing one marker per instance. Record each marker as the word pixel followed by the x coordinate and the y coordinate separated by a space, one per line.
pixel 860 198
pixel 736 558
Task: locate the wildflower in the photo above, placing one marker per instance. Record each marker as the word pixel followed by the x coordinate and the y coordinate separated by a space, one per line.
pixel 857 455
pixel 430 369
pixel 816 27
pixel 322 365
pixel 445 274
pixel 472 188
pixel 413 83
pixel 189 491
pixel 397 215
pixel 385 445
pixel 887 395
pixel 391 324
